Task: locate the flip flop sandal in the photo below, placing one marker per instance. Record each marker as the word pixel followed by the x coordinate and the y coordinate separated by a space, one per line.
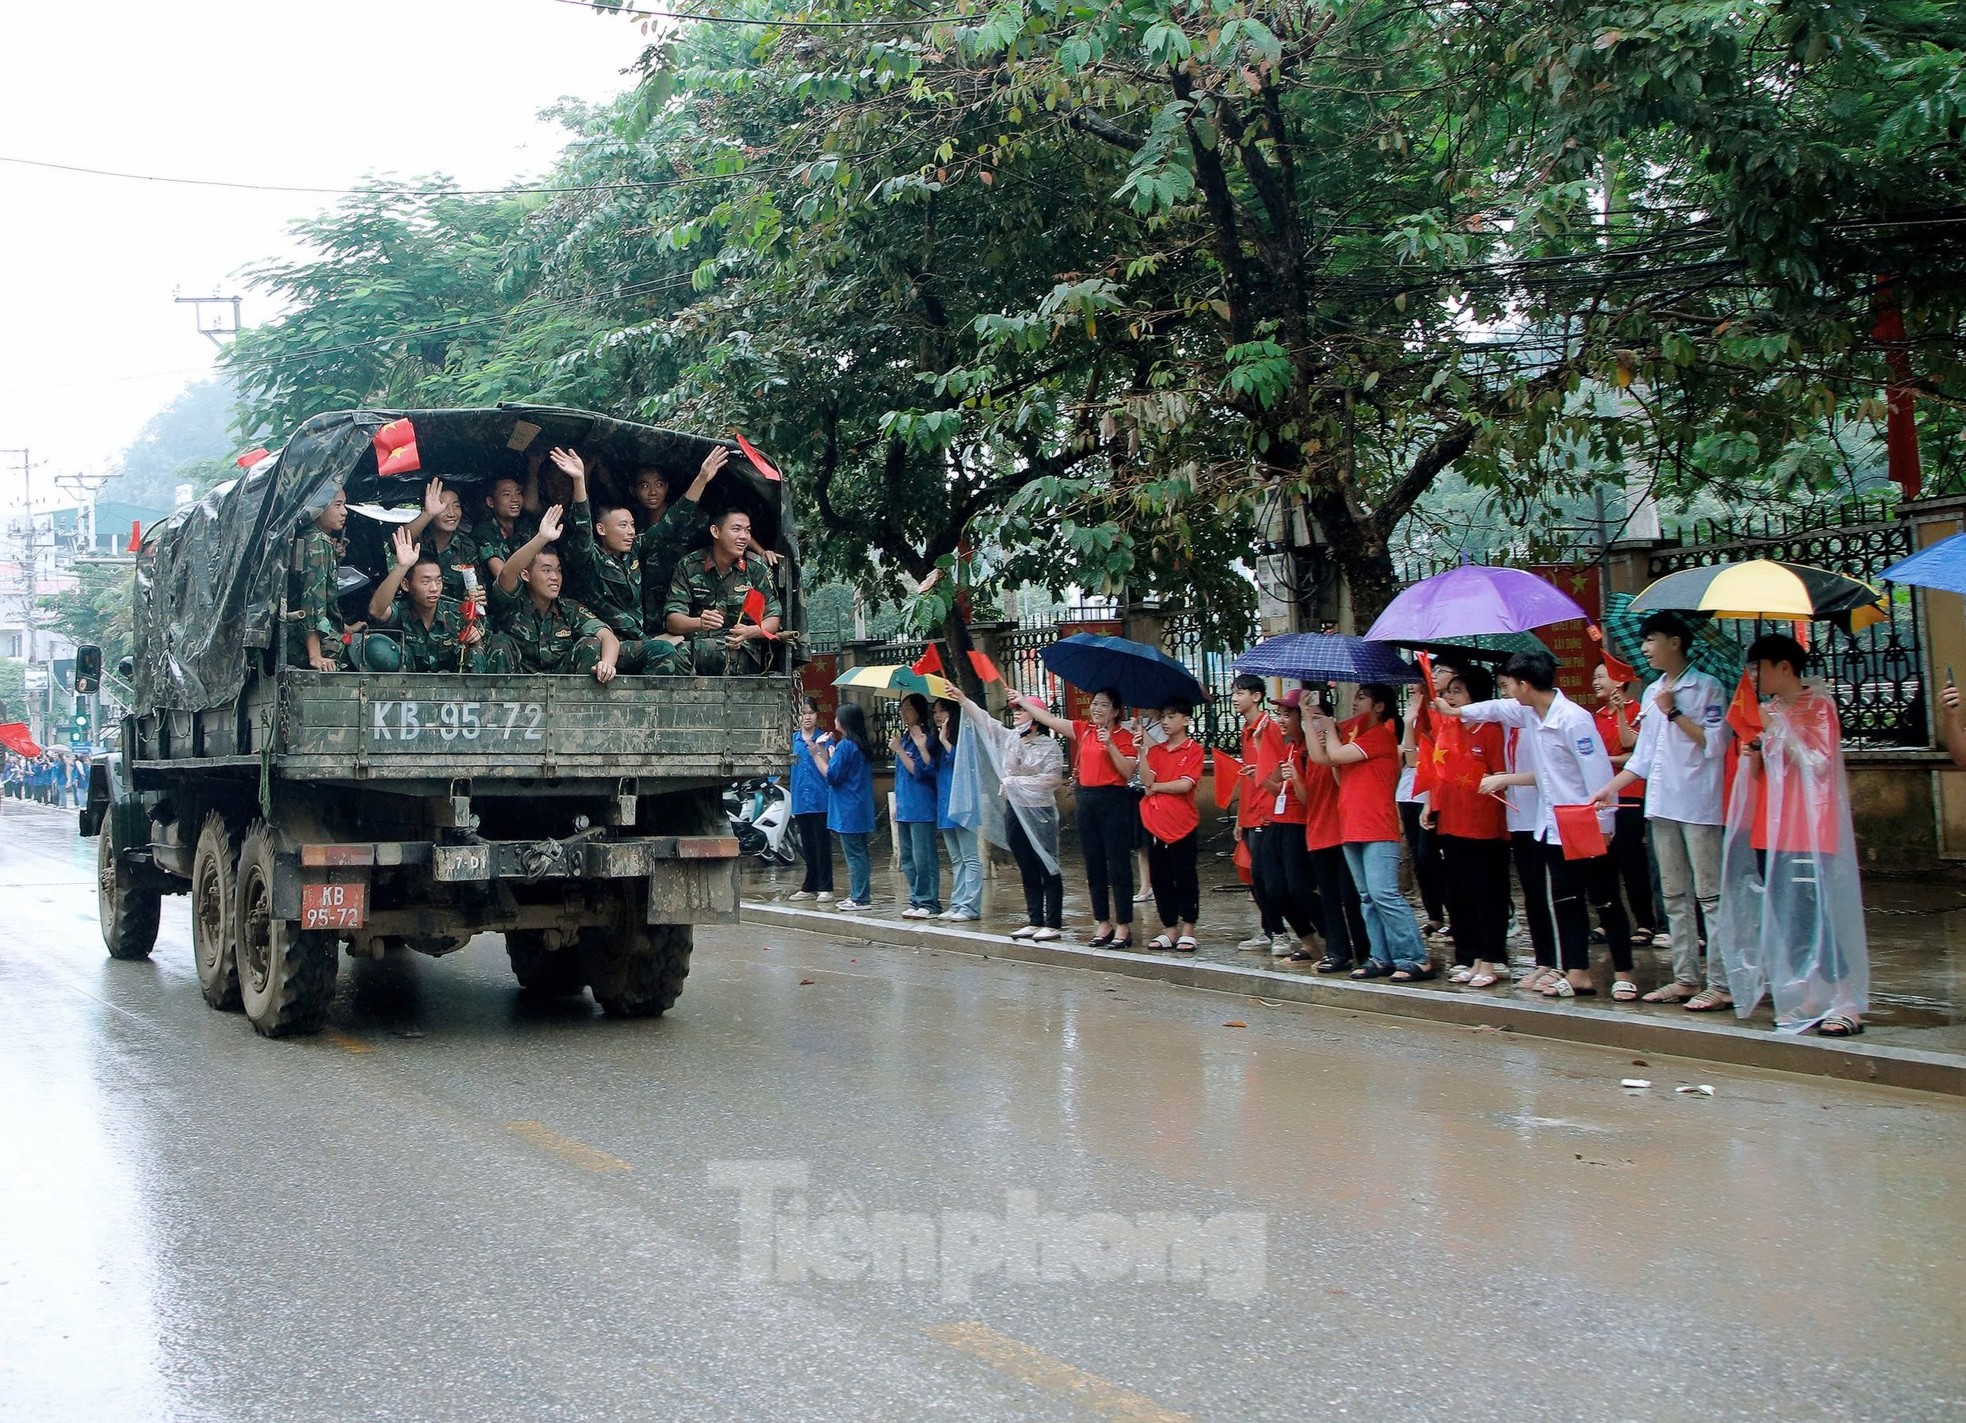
pixel 1462 975
pixel 1416 975
pixel 1162 944
pixel 1372 968
pixel 1641 938
pixel 1561 987
pixel 1674 992
pixel 1331 965
pixel 1624 991
pixel 1299 957
pixel 1185 944
pixel 1483 980
pixel 1536 980
pixel 1839 1025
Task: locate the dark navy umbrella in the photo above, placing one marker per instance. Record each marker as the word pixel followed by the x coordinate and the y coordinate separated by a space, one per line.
pixel 1143 676
pixel 1942 566
pixel 1326 657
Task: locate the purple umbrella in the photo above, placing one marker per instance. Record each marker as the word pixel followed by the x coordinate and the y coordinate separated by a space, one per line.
pixel 1470 600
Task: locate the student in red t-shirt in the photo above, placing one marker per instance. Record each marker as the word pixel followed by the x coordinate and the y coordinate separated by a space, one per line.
pixel 1285 864
pixel 1104 755
pixel 1473 830
pixel 1171 776
pixel 1316 786
pixel 1263 758
pixel 1365 753
pixel 1617 727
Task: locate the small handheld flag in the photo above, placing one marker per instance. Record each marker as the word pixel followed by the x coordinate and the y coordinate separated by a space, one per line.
pixel 758 461
pixel 929 661
pixel 395 449
pixel 984 667
pixel 754 611
pixel 1228 771
pixel 1577 827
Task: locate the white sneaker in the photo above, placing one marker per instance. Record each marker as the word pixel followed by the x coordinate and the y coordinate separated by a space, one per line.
pixel 1255 942
pixel 1029 931
pixel 963 916
pixel 825 896
pixel 1045 934
pixel 802 894
pixel 849 906
pixel 1282 946
pixel 914 912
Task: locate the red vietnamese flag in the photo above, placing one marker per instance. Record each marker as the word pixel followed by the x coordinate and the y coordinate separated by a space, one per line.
pixel 1423 714
pixel 15 737
pixel 758 461
pixel 1744 712
pixel 1228 772
pixel 1578 828
pixel 395 449
pixel 984 667
pixel 929 661
pixel 1426 765
pixel 1616 668
pixel 754 610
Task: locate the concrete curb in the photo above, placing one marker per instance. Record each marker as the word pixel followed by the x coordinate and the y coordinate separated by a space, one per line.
pixel 1627 1029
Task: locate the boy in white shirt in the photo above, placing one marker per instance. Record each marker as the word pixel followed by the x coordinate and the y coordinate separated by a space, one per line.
pixel 1682 739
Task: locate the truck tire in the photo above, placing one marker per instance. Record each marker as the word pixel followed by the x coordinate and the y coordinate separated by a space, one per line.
pixel 128 912
pixel 636 970
pixel 214 895
pixel 286 976
pixel 546 972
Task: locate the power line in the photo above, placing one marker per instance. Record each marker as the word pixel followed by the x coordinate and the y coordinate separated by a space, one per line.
pixel 372 191
pixel 777 22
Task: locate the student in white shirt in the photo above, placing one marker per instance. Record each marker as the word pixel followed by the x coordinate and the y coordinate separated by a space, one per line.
pixel 1680 754
pixel 1559 744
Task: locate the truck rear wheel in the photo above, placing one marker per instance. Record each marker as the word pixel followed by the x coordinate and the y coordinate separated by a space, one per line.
pixel 128 913
pixel 286 976
pixel 636 970
pixel 214 933
pixel 547 972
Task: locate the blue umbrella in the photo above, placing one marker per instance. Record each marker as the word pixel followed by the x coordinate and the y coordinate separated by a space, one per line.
pixel 1941 566
pixel 1143 676
pixel 1326 657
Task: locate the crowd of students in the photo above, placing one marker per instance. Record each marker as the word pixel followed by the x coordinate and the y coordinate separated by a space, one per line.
pixel 1478 776
pixel 52 778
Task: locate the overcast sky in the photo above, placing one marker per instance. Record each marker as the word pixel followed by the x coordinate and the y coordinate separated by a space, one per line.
pixel 248 91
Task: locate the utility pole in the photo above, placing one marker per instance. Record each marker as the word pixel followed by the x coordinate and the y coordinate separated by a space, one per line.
pixel 217 316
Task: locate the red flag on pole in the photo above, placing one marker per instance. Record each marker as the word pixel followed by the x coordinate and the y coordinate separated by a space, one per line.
pixel 985 668
pixel 929 661
pixel 754 610
pixel 1577 827
pixel 1228 774
pixel 763 465
pixel 1744 712
pixel 136 535
pixel 395 449
pixel 15 737
pixel 1423 714
pixel 1616 668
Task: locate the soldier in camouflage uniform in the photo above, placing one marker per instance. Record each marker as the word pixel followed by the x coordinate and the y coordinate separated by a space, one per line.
pixel 538 630
pixel 706 601
pixel 314 625
pixel 509 525
pixel 440 530
pixel 605 574
pixel 437 637
pixel 668 529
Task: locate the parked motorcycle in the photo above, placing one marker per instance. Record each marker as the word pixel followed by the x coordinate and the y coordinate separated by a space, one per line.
pixel 760 813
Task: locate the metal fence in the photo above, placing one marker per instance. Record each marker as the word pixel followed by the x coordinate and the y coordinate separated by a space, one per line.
pixel 1213 665
pixel 1877 675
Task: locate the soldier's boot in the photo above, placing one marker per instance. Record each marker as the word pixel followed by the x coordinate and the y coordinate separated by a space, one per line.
pixel 497 654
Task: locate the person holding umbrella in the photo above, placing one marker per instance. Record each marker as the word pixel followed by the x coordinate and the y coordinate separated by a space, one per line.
pixel 1473 832
pixel 1104 756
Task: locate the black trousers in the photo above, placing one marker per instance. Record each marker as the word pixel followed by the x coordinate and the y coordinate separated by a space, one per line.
pixel 1477 898
pixel 1535 881
pixel 1634 864
pixel 1344 927
pixel 1576 887
pixel 1268 913
pixel 818 851
pixel 1280 863
pixel 1107 815
pixel 1423 849
pixel 1044 890
pixel 1176 882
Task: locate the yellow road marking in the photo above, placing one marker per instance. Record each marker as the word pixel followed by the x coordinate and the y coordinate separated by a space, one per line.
pixel 1053 1376
pixel 343 1041
pixel 579 1153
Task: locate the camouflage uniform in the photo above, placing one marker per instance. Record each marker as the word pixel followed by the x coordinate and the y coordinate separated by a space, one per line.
pixel 565 638
pixel 660 547
pixel 463 553
pixel 494 542
pixel 698 587
pixel 611 585
pixel 311 602
pixel 436 648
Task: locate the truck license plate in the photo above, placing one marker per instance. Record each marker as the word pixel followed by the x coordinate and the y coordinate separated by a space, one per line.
pixel 334 906
pixel 418 721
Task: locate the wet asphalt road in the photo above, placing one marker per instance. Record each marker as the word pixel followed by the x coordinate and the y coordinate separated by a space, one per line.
pixel 459 1205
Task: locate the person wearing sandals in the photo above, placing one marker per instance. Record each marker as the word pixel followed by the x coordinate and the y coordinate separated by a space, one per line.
pixel 1019 803
pixel 809 804
pixel 1679 754
pixel 1170 775
pixel 1561 747
pixel 1791 919
pixel 1284 859
pixel 1473 832
pixel 847 765
pixel 965 859
pixel 917 750
pixel 1103 760
pixel 1617 728
pixel 1364 754
pixel 1345 938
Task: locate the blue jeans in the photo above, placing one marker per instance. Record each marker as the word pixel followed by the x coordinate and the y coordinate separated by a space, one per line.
pixel 966 866
pixel 859 873
pixel 918 864
pixel 1389 923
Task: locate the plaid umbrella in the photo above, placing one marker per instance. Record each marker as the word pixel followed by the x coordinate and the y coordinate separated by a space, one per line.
pixel 1713 652
pixel 1326 657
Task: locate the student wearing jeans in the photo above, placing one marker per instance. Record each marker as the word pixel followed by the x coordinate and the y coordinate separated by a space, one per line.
pixel 1104 756
pixel 965 858
pixel 849 772
pixel 1364 752
pixel 809 797
pixel 916 752
pixel 1679 756
pixel 1170 776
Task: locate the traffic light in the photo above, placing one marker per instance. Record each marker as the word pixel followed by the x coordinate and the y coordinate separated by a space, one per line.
pixel 78 731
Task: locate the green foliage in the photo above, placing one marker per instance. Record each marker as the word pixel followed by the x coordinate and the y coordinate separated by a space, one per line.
pixel 96 610
pixel 13 690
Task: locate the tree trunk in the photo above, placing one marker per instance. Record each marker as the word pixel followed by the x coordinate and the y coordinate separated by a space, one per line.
pixel 955 635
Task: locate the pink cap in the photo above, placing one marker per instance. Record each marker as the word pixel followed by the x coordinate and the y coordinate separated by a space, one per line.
pixel 1292 699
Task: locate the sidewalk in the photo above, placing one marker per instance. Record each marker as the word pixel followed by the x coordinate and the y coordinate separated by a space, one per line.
pixel 1915 1034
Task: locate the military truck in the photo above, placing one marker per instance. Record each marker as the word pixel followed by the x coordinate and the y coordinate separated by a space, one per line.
pixel 306 812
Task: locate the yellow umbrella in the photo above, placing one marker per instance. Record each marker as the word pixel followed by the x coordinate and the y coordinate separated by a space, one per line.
pixel 1764 588
pixel 896 681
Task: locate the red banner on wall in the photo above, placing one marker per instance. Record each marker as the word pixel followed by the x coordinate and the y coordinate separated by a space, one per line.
pixel 816 677
pixel 1576 654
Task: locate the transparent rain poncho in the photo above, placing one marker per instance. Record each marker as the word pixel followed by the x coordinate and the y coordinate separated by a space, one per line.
pixel 1791 921
pixel 1000 773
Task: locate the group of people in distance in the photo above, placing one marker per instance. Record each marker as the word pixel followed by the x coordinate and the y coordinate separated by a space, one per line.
pixel 1739 801
pixel 52 778
pixel 568 587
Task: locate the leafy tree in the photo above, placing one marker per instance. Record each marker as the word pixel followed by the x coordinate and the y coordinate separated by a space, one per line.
pixel 96 610
pixel 13 690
